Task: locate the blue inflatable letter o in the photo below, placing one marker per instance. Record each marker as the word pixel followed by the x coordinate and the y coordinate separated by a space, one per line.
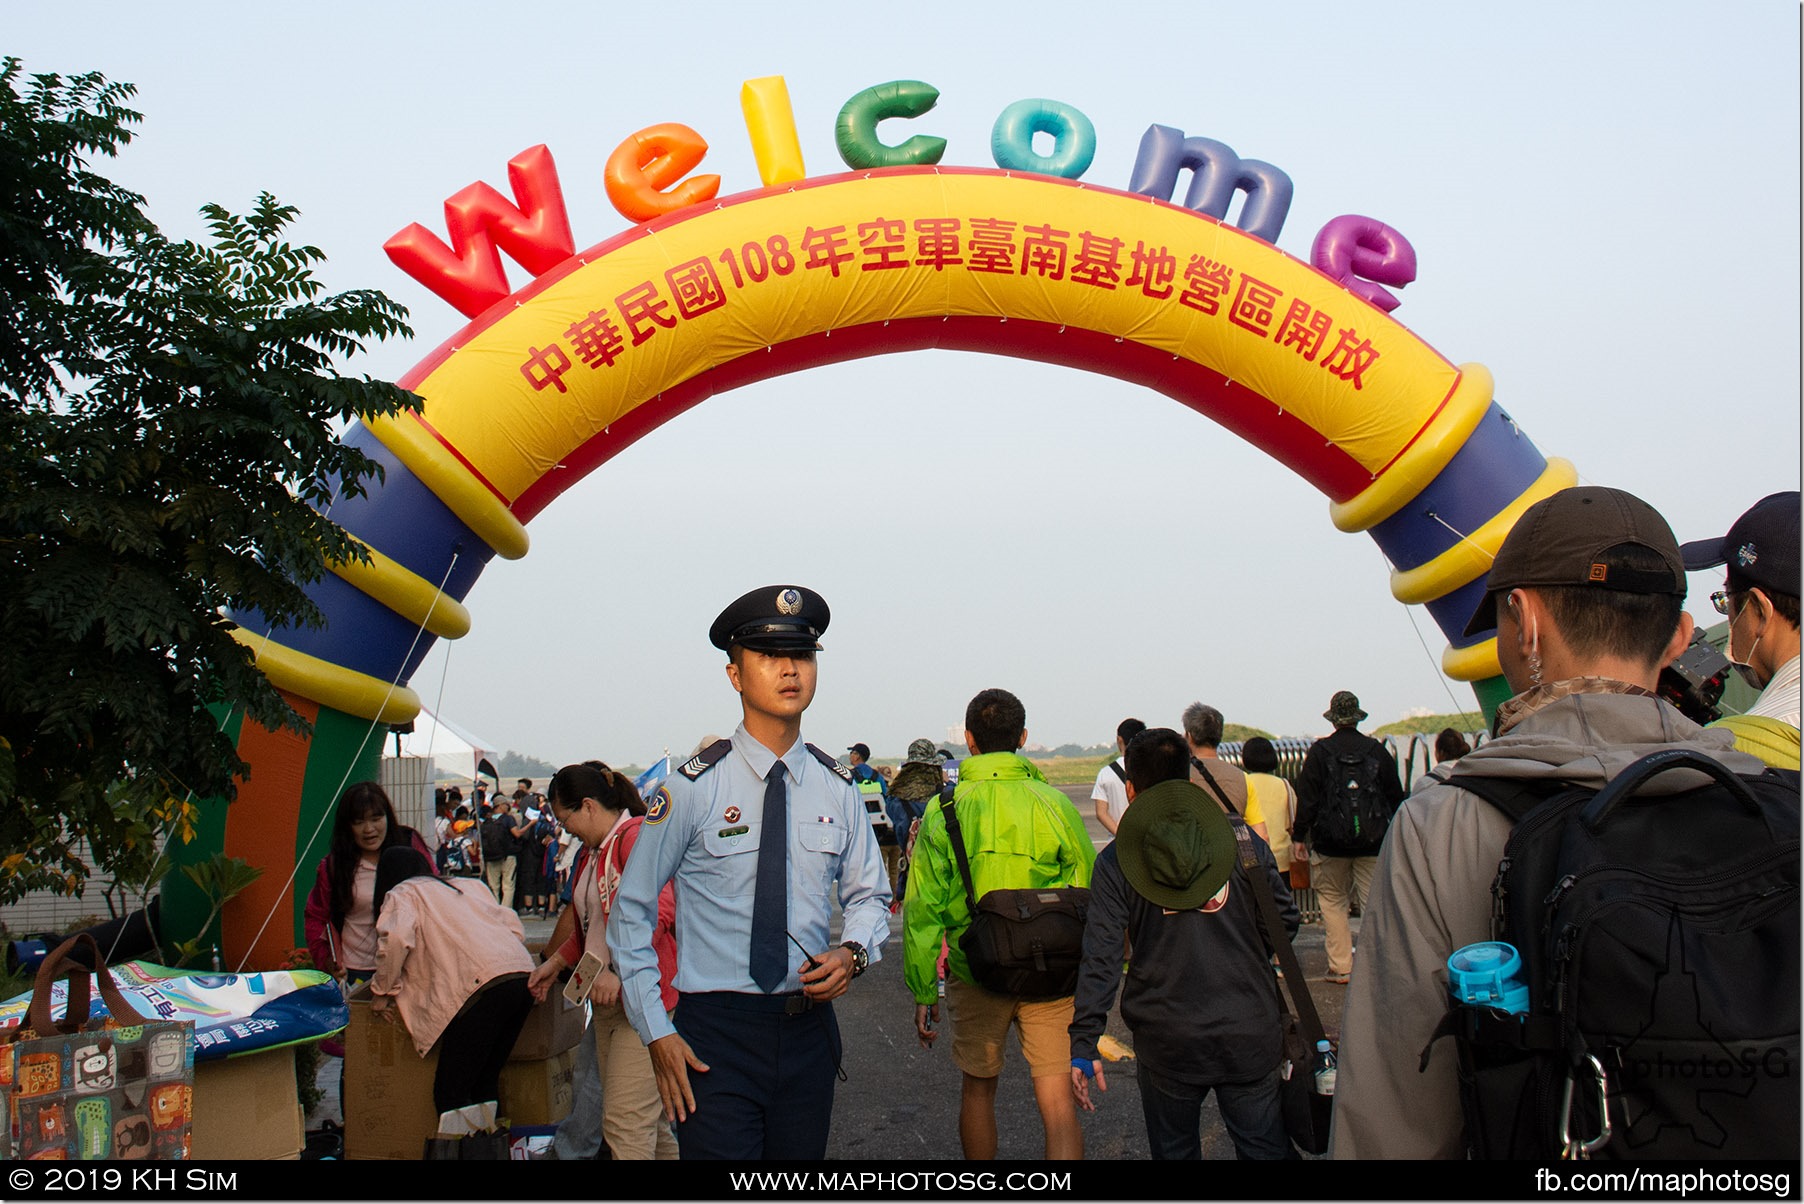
pixel 1012 141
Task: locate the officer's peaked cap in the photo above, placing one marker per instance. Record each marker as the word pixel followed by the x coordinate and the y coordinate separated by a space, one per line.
pixel 774 618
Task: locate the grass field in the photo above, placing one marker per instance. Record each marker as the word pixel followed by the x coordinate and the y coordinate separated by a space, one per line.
pixel 1071 771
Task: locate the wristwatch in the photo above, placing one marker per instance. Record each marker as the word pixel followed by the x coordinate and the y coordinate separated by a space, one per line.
pixel 860 959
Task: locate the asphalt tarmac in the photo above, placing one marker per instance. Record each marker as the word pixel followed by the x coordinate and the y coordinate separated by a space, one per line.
pixel 900 1102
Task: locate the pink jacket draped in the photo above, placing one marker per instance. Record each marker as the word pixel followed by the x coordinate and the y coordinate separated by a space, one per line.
pixel 438 942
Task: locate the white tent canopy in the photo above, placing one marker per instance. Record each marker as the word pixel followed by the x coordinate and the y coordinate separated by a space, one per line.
pixel 446 743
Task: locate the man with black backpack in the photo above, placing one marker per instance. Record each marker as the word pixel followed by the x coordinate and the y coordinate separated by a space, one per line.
pixel 1347 791
pixel 1615 889
pixel 501 833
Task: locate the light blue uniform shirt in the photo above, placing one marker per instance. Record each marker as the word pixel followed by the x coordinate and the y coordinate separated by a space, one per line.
pixel 690 835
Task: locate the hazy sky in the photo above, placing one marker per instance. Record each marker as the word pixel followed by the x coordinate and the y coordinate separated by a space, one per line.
pixel 1604 199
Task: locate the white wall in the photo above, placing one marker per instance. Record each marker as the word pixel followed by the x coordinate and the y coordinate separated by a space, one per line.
pixel 408 781
pixel 45 911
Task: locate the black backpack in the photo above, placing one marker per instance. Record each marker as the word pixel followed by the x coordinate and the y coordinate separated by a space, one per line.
pixel 497 838
pixel 1354 815
pixel 1659 936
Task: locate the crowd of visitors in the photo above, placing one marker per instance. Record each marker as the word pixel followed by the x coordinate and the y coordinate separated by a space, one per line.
pixel 698 927
pixel 513 843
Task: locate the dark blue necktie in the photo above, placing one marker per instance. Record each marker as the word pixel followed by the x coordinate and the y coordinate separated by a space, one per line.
pixel 770 905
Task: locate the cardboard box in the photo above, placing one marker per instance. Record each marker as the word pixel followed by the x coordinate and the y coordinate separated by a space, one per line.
pixel 388 1089
pixel 538 1093
pixel 551 1028
pixel 248 1107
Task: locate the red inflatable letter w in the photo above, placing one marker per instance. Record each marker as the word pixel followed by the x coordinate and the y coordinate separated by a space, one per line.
pixel 481 223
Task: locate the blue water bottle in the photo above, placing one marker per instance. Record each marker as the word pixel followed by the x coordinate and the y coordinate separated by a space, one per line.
pixel 1488 975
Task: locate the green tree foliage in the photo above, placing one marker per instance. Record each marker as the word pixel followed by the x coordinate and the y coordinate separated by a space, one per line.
pixel 168 419
pixel 516 765
pixel 1431 725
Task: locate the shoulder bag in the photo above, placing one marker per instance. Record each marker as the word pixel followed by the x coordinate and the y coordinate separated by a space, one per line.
pixel 1306 1114
pixel 1026 943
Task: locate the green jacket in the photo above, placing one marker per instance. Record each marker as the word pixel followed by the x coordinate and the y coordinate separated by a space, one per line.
pixel 1019 832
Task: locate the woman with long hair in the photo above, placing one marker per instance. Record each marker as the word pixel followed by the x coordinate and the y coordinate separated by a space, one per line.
pixel 340 916
pixel 453 962
pixel 604 811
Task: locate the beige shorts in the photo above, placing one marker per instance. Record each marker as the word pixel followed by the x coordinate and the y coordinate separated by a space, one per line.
pixel 980 1022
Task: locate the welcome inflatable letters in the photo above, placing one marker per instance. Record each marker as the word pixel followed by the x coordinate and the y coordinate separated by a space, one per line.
pixel 704 293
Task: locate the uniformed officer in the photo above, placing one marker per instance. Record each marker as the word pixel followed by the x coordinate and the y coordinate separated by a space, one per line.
pixel 754 830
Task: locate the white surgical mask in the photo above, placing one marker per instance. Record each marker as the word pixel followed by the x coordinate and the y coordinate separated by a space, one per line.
pixel 1745 665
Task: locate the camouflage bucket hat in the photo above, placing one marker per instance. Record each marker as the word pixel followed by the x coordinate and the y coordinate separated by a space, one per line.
pixel 922 752
pixel 1343 709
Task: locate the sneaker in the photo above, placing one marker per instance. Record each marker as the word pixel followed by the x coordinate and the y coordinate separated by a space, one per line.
pixel 1339 980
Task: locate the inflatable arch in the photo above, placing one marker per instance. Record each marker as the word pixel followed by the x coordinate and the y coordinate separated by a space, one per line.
pixel 545 385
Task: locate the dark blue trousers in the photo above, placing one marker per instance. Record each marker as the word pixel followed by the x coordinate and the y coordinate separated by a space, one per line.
pixel 768 1090
pixel 1251 1112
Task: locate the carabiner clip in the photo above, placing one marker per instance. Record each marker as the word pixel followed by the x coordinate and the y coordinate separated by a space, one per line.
pixel 1571 1148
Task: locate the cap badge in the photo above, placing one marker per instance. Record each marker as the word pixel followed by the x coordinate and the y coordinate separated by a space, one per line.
pixel 732 815
pixel 1600 572
pixel 789 602
pixel 1746 555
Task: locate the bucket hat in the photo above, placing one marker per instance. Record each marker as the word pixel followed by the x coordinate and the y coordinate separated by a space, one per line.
pixel 1175 846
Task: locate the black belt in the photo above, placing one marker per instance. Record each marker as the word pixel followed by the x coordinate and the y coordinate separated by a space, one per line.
pixel 788 1003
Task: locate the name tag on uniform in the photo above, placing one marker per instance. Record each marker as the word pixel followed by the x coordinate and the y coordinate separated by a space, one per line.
pixel 741 830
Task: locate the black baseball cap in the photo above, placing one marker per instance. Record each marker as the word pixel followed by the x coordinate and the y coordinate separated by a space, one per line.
pixel 1761 548
pixel 1563 540
pixel 861 748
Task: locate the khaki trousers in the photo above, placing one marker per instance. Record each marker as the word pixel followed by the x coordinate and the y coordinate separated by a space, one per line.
pixel 500 877
pixel 1338 881
pixel 892 861
pixel 632 1115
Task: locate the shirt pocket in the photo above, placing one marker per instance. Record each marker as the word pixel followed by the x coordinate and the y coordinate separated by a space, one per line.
pixel 822 847
pixel 724 869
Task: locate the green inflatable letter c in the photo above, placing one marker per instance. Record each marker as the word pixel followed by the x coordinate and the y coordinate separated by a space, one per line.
pixel 856 130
